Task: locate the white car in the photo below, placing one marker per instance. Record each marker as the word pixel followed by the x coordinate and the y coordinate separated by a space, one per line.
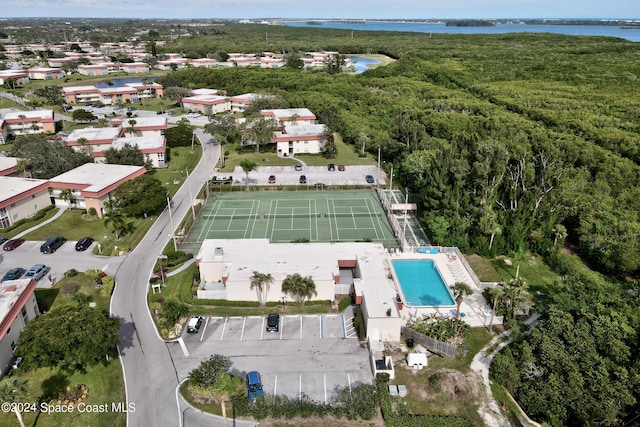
pixel 194 115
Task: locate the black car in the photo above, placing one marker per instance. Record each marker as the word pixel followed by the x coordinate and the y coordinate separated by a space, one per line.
pixel 303 179
pixel 331 167
pixel 52 245
pixel 273 322
pixel 369 179
pixel 84 243
pixel 2 239
pixel 14 273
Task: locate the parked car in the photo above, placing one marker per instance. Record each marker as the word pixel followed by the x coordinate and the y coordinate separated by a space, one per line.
pixel 331 167
pixel 84 243
pixel 273 322
pixel 2 240
pixel 131 109
pixel 194 324
pixel 16 363
pixel 10 245
pixel 341 168
pixel 36 272
pixel 298 166
pixel 52 245
pixel 117 107
pixel 254 385
pixel 303 179
pixel 272 179
pixel 369 179
pixel 14 273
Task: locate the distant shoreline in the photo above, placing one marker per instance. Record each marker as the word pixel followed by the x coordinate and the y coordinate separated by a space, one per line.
pixel 627 23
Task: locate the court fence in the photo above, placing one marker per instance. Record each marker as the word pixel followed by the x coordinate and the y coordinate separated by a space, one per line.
pixel 433 345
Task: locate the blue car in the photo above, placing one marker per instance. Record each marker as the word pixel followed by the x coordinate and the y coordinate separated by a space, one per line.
pixel 254 385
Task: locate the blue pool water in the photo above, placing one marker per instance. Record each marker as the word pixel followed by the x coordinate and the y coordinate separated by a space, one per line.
pixel 421 283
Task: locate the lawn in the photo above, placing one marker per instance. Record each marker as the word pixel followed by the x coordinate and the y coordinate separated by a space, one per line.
pixel 180 160
pixel 54 297
pixel 347 155
pixel 443 388
pixel 19 229
pixel 502 269
pixel 106 386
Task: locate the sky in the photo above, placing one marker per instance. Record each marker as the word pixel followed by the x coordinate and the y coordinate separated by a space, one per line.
pixel 355 9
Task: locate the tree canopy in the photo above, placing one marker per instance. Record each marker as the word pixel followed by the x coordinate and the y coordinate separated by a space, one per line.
pixel 47 158
pixel 71 337
pixel 139 196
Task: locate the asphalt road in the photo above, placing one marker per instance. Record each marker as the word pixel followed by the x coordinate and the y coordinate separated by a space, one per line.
pixel 151 377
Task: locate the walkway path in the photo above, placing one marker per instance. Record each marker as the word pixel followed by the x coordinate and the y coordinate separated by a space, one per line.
pixel 489 409
pixel 35 227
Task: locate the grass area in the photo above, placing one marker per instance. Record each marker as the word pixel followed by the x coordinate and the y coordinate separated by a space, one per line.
pixel 210 404
pixel 106 386
pixel 181 159
pixel 475 340
pixel 347 155
pixel 54 298
pixel 15 231
pixel 72 226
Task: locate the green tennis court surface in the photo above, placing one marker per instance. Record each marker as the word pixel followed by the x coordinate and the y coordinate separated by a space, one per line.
pixel 317 216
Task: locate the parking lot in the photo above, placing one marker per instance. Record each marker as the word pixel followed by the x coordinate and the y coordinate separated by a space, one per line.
pixel 310 355
pixel 65 258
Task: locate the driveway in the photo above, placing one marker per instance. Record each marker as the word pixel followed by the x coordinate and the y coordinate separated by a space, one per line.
pixel 287 175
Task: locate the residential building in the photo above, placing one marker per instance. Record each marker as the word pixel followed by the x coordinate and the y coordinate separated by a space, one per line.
pixel 26 122
pixel 206 104
pixel 93 141
pixel 43 73
pixel 239 103
pixel 92 184
pixel 18 306
pixel 130 92
pixel 21 198
pixel 14 78
pixel 291 116
pixel 94 69
pixel 134 67
pixel 295 139
pixel 8 166
pixel 152 147
pixel 170 64
pixel 204 62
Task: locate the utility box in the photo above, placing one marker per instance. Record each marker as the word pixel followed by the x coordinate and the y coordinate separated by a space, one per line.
pixel 417 361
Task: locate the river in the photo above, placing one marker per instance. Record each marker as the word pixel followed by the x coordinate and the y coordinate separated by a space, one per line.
pixel 439 28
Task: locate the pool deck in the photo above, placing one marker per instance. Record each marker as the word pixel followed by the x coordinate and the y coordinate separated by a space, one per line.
pixel 452 270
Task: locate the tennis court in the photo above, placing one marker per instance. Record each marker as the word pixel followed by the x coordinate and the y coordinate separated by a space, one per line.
pixel 316 216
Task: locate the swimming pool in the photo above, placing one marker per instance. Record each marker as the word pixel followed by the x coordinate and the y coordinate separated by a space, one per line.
pixel 421 283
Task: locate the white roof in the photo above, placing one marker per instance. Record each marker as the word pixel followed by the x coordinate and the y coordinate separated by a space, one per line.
pixel 143 142
pixel 304 130
pixel 10 292
pixel 96 176
pixel 8 163
pixel 205 91
pixel 93 134
pixel 288 112
pixel 11 186
pixel 204 98
pixel 36 114
pixel 151 121
pixel 78 88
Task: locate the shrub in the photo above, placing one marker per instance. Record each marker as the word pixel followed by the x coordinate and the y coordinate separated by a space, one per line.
pixel 107 286
pixel 344 303
pixel 92 212
pixel 71 273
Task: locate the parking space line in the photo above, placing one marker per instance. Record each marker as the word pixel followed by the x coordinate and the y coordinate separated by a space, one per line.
pixel 349 380
pixel 226 319
pixel 321 334
pixel 262 330
pixel 244 321
pixel 206 322
pixel 325 388
pixel 300 327
pixel 275 387
pixel 300 387
pixel 344 327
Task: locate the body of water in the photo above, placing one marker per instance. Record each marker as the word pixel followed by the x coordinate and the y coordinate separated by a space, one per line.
pixel 361 64
pixel 437 28
pixel 121 82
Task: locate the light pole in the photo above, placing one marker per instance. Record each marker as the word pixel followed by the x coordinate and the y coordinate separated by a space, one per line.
pixel 193 212
pixel 193 137
pixel 173 230
pixel 284 303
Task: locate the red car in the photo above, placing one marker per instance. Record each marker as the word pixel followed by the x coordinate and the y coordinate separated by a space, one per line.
pixel 341 168
pixel 12 244
pixel 272 179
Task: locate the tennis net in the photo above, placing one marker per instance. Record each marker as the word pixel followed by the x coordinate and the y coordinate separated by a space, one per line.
pixel 238 216
pixel 290 216
pixel 353 214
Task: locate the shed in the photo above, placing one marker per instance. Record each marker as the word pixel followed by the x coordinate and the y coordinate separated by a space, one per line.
pixel 417 360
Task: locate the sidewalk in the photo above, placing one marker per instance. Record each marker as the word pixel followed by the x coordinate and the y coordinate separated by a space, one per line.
pixel 35 227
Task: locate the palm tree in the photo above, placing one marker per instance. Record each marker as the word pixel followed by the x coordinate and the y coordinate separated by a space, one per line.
pixel 514 295
pixel 495 295
pixel 299 288
pixel 14 390
pixel 67 196
pixel 261 283
pixel 22 117
pixel 82 142
pixel 103 122
pixel 23 165
pixel 247 166
pixel 559 233
pixel 117 220
pixel 132 127
pixel 459 291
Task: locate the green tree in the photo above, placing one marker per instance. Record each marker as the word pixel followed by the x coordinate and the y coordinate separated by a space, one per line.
pixel 179 135
pixel 334 64
pixel 174 310
pixel 128 154
pixel 142 195
pixel 495 296
pixel 176 94
pixel 261 282
pixel 329 150
pixel 460 290
pixel 210 371
pixel 224 129
pixel 247 166
pixel 82 115
pixel 67 196
pixel 258 131
pixel 131 128
pixel 52 94
pixel 14 390
pixel 47 158
pixel 115 219
pixel 293 60
pixel 84 337
pixel 299 288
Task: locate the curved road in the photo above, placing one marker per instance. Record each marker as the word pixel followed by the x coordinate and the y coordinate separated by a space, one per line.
pixel 151 379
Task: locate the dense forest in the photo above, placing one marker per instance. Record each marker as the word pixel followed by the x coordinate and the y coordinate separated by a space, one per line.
pixel 508 143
